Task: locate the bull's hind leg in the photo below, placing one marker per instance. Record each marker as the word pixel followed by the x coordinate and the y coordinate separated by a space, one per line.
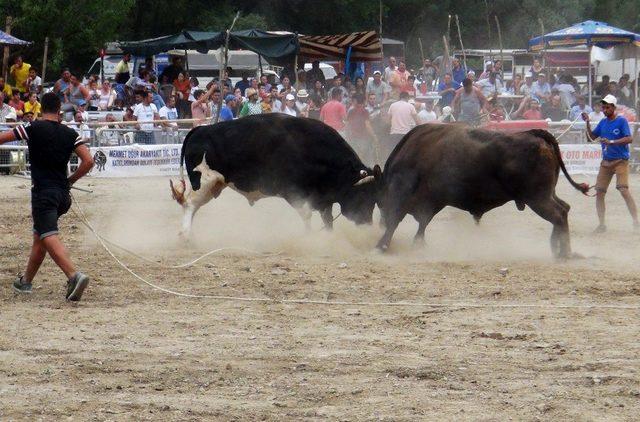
pixel 424 218
pixel 557 214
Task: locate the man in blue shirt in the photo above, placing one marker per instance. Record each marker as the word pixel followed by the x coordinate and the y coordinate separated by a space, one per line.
pixel 615 136
pixel 225 113
pixel 458 72
pixel 447 90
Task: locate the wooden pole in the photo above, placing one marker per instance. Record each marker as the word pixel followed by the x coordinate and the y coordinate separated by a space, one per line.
pixel 446 59
pixel 464 54
pixel 501 54
pixel 544 48
pixel 486 8
pixel 223 65
pixel 449 29
pixel 5 57
pixel 44 59
pixel 635 90
pixel 421 50
pixel 380 19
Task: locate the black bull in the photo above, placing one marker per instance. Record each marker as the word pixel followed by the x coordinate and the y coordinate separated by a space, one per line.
pixel 301 160
pixel 475 170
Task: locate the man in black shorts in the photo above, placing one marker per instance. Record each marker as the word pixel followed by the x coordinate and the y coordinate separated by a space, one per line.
pixel 50 146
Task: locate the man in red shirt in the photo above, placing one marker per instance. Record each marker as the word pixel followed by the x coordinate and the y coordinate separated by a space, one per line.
pixel 360 133
pixel 334 113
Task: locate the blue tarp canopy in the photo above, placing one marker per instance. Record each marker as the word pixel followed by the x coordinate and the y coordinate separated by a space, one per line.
pixel 587 33
pixel 6 39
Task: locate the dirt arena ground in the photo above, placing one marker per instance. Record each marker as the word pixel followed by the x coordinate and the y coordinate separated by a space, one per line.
pixel 127 352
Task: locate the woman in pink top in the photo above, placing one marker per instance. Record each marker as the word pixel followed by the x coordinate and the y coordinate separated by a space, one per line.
pixel 200 108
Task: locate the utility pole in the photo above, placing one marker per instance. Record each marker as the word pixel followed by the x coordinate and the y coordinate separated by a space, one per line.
pixel 5 57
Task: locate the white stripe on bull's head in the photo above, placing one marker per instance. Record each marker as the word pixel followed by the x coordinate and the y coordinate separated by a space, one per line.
pixel 364 178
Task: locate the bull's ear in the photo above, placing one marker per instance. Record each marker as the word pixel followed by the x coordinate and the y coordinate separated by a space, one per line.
pixel 377 172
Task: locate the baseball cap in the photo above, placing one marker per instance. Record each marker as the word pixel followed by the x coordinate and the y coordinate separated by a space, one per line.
pixel 289 97
pixel 229 97
pixel 82 102
pixel 11 115
pixel 377 72
pixel 609 99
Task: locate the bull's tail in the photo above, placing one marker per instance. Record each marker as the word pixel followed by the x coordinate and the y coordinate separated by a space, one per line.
pixel 178 190
pixel 551 140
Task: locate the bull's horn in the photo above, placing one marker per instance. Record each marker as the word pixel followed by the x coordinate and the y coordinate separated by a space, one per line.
pixel 367 179
pixel 363 173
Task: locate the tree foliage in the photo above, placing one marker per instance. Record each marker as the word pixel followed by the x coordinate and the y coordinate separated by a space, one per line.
pixel 79 29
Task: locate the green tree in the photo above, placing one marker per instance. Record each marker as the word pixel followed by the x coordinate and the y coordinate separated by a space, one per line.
pixel 77 30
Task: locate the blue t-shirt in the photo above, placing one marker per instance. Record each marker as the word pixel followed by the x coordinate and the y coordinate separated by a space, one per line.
pixel 226 114
pixel 459 74
pixel 448 97
pixel 613 130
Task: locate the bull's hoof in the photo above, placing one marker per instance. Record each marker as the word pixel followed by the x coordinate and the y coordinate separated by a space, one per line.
pixel 382 247
pixel 419 243
pixel 184 236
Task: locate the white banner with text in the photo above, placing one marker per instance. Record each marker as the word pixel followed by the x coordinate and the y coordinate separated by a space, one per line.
pixel 581 158
pixel 136 160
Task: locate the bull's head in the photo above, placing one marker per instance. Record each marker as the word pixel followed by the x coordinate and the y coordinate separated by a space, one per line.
pixel 361 197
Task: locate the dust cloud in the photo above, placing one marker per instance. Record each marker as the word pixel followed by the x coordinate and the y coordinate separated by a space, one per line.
pixel 141 216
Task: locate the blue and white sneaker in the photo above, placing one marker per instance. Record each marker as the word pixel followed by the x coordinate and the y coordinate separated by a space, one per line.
pixel 76 286
pixel 21 286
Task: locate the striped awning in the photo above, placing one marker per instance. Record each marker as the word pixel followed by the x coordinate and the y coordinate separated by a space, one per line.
pixel 365 46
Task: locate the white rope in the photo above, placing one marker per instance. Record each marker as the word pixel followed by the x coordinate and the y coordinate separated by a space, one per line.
pixel 456 305
pixel 569 128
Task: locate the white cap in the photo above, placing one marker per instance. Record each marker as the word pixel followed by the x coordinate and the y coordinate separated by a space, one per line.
pixel 609 99
pixel 11 115
pixel 289 97
pixel 377 72
pixel 488 63
pixel 528 75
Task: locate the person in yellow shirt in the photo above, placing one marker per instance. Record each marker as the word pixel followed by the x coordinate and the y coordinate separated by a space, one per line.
pixel 33 106
pixel 20 72
pixel 5 88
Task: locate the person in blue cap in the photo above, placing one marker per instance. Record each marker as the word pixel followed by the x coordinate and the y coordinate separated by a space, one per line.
pixel 225 113
pixel 614 136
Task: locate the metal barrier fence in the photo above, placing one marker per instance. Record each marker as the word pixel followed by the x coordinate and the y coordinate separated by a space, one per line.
pixel 14 156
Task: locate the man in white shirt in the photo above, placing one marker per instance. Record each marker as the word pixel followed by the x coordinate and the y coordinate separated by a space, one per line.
pixel 403 117
pixel 567 92
pixel 427 113
pixel 169 112
pixel 389 70
pixel 490 86
pixel 525 88
pixel 579 108
pixel 144 113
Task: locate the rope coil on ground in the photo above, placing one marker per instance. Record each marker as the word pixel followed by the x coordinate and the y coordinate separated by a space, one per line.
pixel 455 305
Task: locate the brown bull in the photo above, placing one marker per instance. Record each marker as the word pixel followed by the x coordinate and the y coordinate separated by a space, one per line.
pixel 475 170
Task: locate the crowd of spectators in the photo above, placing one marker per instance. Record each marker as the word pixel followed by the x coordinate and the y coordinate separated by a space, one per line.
pixel 395 97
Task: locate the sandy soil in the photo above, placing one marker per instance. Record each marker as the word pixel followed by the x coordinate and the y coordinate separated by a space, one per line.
pixel 127 352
